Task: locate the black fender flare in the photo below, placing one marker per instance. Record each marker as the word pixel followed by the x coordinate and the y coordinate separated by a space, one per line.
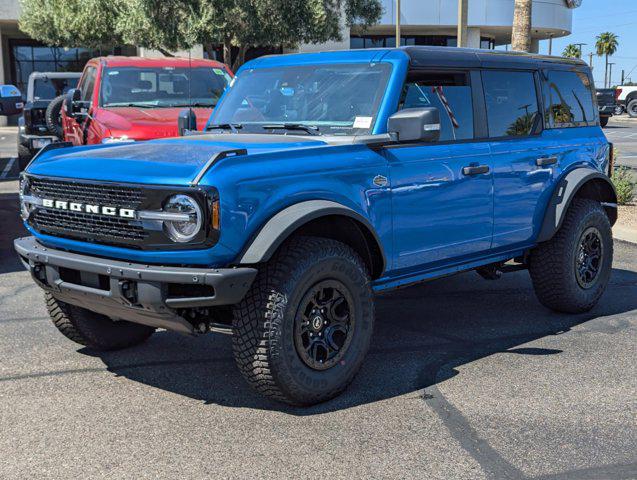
pixel 284 223
pixel 591 184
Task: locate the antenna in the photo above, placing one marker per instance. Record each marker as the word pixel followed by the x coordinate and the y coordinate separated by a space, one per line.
pixel 187 120
pixel 189 77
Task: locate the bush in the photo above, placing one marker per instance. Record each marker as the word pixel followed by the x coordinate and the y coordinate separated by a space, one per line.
pixel 624 184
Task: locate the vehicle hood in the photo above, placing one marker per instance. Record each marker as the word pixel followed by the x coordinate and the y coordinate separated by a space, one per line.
pixel 146 123
pixel 174 161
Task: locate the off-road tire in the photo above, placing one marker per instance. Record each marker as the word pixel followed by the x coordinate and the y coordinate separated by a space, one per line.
pixel 603 121
pixel 53 116
pixel 552 264
pixel 92 329
pixel 24 157
pixel 263 324
pixel 631 108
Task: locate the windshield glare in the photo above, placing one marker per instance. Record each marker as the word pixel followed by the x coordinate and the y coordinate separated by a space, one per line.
pixel 338 99
pixel 162 86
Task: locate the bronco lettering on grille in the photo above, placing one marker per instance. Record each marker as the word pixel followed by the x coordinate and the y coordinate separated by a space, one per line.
pixel 88 208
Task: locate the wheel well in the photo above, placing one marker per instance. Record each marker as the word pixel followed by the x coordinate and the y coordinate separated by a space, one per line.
pixel 350 232
pixel 601 191
pixel 631 96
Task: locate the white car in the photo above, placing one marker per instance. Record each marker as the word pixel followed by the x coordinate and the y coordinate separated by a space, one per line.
pixel 627 96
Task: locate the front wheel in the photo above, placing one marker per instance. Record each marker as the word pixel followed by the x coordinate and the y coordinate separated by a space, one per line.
pixel 304 328
pixel 571 270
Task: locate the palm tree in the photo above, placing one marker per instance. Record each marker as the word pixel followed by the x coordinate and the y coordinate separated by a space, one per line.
pixel 572 51
pixel 606 45
pixel 521 37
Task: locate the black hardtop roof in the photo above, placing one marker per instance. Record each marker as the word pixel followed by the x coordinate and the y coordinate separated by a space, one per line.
pixel 429 56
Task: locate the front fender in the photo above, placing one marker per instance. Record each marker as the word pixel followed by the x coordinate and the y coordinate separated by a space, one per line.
pixel 281 225
pixel 589 183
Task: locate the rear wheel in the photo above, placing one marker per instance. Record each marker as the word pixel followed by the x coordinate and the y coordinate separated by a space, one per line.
pixel 304 328
pixel 92 329
pixel 571 271
pixel 631 108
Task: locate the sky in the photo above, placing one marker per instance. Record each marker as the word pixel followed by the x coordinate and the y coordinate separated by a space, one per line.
pixel 594 17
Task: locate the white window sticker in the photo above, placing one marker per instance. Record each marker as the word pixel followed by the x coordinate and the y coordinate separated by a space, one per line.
pixel 362 122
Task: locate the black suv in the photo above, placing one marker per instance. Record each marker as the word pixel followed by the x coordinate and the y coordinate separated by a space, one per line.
pixel 39 124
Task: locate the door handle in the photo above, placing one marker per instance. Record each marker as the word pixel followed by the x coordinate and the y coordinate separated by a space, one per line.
pixel 546 161
pixel 475 169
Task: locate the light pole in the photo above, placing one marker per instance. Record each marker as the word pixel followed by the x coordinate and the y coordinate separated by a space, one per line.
pixel 397 23
pixel 463 13
pixel 580 45
pixel 610 74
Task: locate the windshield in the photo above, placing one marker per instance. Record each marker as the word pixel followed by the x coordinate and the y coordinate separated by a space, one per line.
pixel 337 99
pixel 154 87
pixel 49 88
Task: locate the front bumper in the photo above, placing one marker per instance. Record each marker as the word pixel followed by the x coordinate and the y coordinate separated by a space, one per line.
pixel 146 294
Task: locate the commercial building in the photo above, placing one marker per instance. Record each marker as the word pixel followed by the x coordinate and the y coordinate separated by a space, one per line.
pixel 434 22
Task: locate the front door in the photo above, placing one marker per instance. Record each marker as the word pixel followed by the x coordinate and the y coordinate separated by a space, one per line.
pixel 77 127
pixel 442 193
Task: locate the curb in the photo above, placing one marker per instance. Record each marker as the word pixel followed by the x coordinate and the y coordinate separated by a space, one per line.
pixel 625 234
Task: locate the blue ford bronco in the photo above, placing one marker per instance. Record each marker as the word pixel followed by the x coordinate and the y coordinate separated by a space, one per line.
pixel 320 180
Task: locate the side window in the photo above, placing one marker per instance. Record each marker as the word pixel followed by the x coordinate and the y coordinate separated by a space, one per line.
pixel 511 101
pixel 450 93
pixel 568 99
pixel 88 84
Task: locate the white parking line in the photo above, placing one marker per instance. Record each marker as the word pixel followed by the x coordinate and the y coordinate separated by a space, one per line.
pixel 7 168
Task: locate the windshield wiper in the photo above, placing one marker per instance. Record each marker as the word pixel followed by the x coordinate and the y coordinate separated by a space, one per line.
pixel 225 126
pixel 195 104
pixel 137 105
pixel 309 129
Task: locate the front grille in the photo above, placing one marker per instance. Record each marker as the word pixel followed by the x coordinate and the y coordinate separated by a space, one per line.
pixel 86 226
pixel 107 195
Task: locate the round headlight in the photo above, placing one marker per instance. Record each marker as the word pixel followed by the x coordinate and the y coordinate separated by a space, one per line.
pixel 183 230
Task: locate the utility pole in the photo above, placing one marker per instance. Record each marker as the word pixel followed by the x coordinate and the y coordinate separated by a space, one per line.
pixel 610 74
pixel 463 13
pixel 623 76
pixel 550 44
pixel 397 23
pixel 590 59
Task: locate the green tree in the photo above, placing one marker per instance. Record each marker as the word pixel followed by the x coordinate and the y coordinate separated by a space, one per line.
pixel 572 51
pixel 606 45
pixel 169 25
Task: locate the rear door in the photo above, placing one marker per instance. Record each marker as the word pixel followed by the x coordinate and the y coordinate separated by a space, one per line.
pixel 442 193
pixel 522 166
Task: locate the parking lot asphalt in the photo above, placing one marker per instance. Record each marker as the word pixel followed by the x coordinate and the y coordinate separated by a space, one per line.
pixel 466 379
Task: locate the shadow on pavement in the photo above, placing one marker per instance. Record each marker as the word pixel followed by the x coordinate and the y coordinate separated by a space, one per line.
pixel 10 228
pixel 423 334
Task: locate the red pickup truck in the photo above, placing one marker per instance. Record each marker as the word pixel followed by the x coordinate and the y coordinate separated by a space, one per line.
pixel 132 98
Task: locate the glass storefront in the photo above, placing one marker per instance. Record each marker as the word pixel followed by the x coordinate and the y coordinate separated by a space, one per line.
pixel 389 41
pixel 27 56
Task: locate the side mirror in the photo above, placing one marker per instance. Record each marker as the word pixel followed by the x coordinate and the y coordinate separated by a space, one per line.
pixel 71 104
pixel 415 125
pixel 186 122
pixel 10 100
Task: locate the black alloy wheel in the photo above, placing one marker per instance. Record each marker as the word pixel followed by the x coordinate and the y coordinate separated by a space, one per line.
pixel 324 324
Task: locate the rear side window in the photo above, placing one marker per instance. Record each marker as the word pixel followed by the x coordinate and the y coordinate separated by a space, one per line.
pixel 511 101
pixel 450 93
pixel 569 100
pixel 88 84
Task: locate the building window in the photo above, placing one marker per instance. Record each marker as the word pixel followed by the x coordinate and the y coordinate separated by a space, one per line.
pixel 28 56
pixel 389 41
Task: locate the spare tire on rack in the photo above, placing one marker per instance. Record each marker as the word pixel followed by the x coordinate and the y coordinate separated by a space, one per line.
pixel 53 117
